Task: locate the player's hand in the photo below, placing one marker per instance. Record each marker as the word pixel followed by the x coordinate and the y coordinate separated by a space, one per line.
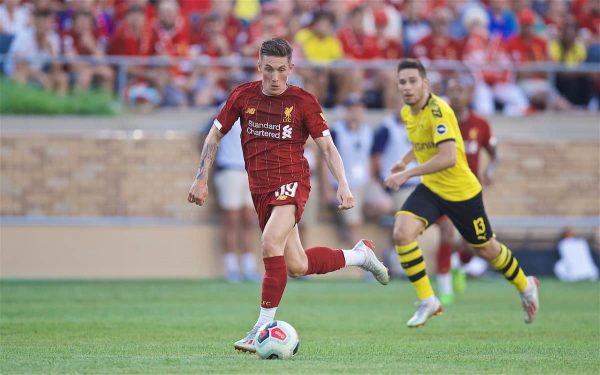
pixel 345 197
pixel 398 167
pixel 198 192
pixel 394 181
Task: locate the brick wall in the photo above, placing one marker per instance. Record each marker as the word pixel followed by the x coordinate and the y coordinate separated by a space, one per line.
pixel 561 178
pixel 119 175
pixel 83 176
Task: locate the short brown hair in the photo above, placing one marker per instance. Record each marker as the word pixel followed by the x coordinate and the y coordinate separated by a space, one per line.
pixel 413 64
pixel 276 47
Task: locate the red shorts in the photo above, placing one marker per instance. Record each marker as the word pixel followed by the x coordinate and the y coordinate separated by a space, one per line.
pixel 293 193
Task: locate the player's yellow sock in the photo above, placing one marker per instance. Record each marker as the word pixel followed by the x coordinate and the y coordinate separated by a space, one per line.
pixel 508 265
pixel 411 258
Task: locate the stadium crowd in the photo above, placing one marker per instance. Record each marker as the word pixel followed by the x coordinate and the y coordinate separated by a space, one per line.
pixel 475 33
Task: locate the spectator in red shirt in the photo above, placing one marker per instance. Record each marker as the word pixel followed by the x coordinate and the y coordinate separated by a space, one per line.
pixel 482 49
pixel 169 38
pixel 131 39
pixel 232 26
pixel 82 40
pixel 438 45
pixel 554 19
pixel 588 18
pixel 268 25
pixel 122 9
pixel 210 84
pixel 375 10
pixel 214 43
pixel 356 43
pixel 390 49
pixel 526 47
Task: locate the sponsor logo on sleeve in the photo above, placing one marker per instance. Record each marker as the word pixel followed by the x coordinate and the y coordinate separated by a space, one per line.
pixel 441 129
pixel 323 117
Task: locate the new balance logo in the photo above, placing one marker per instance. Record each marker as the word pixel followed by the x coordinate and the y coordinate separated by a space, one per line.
pixel 287 132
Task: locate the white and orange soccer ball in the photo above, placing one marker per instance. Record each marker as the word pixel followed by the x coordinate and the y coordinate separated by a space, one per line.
pixel 276 340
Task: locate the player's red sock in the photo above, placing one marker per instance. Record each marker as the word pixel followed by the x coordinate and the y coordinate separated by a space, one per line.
pixel 465 255
pixel 274 281
pixel 323 259
pixel 443 258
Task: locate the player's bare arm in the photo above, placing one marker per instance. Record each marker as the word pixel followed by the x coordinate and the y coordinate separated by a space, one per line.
pixel 444 159
pixel 402 163
pixel 332 157
pixel 198 193
pixel 488 173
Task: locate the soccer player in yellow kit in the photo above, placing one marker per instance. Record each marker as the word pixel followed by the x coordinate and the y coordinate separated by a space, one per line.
pixel 448 187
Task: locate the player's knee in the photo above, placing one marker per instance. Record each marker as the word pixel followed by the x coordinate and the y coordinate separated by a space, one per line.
pixel 403 235
pixel 489 251
pixel 295 270
pixel 270 247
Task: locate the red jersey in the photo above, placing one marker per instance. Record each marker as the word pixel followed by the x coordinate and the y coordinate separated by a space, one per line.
pixel 274 130
pixel 476 133
pixel 356 46
pixel 72 44
pixel 390 49
pixel 125 42
pixel 437 49
pixel 523 51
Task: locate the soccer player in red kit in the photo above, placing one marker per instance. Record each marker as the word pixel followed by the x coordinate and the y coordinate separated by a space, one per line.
pixel 276 120
pixel 477 135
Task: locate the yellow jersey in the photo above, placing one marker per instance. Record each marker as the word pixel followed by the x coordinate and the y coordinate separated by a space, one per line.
pixel 320 51
pixel 436 123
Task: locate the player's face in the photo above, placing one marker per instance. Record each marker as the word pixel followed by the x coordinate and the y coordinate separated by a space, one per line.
pixel 457 95
pixel 412 86
pixel 275 71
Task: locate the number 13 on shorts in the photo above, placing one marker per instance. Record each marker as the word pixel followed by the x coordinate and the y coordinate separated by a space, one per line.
pixel 479 226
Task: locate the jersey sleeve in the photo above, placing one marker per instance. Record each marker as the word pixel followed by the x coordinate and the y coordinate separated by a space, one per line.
pixel 230 112
pixel 443 124
pixel 487 137
pixel 380 140
pixel 314 118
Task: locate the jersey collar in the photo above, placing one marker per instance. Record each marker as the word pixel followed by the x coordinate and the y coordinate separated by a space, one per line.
pixel 427 102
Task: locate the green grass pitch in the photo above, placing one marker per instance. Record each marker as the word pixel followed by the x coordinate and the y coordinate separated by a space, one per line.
pixel 345 326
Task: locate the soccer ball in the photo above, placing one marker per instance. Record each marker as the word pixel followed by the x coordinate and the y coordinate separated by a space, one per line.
pixel 276 340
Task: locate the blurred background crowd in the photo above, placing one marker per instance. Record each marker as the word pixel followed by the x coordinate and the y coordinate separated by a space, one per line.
pixel 341 48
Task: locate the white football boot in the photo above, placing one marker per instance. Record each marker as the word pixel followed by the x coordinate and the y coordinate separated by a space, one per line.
pixel 372 264
pixel 530 299
pixel 425 309
pixel 247 343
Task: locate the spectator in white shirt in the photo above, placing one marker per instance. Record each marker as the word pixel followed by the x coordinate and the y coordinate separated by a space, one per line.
pixel 14 18
pixel 30 51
